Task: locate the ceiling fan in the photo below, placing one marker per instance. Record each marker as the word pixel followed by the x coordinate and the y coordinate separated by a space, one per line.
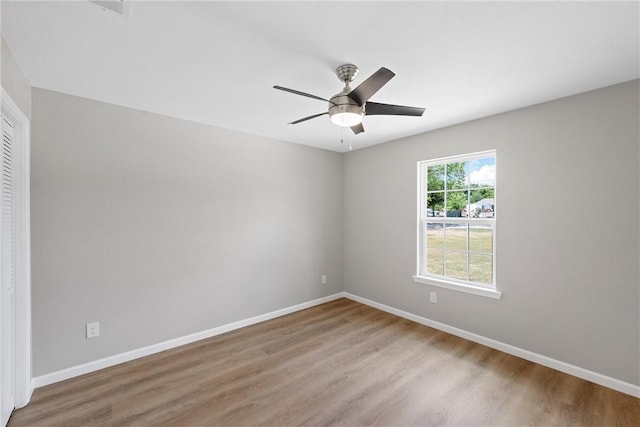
pixel 348 107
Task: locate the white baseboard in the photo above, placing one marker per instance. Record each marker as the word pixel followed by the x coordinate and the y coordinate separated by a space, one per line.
pixel 95 365
pixel 558 365
pixel 567 368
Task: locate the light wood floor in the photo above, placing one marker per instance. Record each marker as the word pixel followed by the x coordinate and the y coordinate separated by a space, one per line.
pixel 341 363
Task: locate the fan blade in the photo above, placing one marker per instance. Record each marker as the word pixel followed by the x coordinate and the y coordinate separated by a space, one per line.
pixel 374 108
pixel 357 128
pixel 308 118
pixel 297 92
pixel 367 88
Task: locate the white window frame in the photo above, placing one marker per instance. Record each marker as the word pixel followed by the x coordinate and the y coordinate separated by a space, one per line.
pixel 421 275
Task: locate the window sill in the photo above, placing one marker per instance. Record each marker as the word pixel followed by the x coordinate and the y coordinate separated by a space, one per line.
pixel 469 289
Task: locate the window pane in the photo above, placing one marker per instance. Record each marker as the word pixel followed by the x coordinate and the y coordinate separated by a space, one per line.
pixel 482 172
pixel 456 203
pixel 435 261
pixel 456 175
pixel 456 265
pixel 480 238
pixel 435 178
pixel 481 201
pixel 434 235
pixel 480 268
pixel 456 236
pixel 435 204
pixel 481 194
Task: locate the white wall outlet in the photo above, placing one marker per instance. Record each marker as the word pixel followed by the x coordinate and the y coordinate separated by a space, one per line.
pixel 324 279
pixel 93 329
pixel 434 297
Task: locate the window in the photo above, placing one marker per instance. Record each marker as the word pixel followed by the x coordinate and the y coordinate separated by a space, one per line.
pixel 457 217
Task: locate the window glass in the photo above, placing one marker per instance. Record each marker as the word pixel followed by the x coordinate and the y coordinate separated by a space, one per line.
pixel 458 216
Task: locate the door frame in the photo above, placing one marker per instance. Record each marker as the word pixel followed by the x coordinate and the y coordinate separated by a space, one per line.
pixel 22 229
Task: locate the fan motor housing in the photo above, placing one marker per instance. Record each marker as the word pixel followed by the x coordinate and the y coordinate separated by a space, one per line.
pixel 344 111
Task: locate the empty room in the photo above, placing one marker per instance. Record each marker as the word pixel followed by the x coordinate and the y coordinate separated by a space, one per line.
pixel 283 213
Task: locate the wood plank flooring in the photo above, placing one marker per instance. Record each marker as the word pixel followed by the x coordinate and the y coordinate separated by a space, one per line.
pixel 340 363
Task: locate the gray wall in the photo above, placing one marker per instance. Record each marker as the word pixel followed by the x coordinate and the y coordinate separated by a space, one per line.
pixel 567 230
pixel 158 227
pixel 14 81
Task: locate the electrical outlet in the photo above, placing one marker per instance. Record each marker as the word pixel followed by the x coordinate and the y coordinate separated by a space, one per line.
pixel 434 297
pixel 324 279
pixel 93 329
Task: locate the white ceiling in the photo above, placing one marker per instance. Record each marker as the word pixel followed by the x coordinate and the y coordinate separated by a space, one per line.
pixel 216 62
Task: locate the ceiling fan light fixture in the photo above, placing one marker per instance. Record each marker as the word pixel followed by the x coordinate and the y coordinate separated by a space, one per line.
pixel 345 112
pixel 346 119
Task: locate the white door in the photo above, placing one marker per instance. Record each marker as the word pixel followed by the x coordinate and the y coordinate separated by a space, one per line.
pixel 7 274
